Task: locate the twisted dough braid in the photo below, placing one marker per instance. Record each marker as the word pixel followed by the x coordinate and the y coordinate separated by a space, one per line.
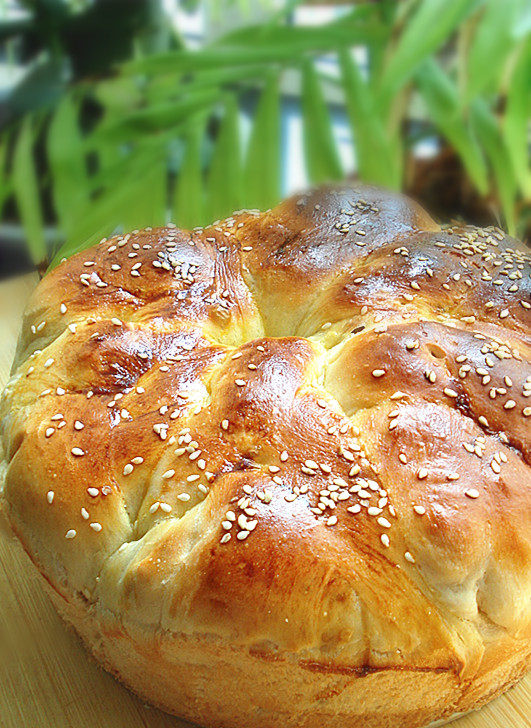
pixel 305 429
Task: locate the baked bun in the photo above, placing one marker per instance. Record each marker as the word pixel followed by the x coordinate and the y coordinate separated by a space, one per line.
pixel 275 471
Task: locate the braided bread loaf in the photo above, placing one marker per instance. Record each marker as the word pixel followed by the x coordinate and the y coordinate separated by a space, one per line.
pixel 275 471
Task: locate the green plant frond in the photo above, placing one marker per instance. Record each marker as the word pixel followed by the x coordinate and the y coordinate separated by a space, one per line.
pixel 516 121
pixel 165 133
pixel 377 159
pixel 361 25
pixel 67 164
pixel 224 180
pixel 320 149
pixel 209 79
pixel 5 180
pixel 109 211
pixel 189 198
pixel 261 177
pixel 26 189
pixel 427 27
pixel 489 133
pixel 153 119
pixel 441 97
pixel 147 203
pixel 492 45
pixel 118 94
pixel 252 46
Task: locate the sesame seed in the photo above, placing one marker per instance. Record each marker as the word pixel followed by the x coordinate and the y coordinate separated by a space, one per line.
pixel 128 469
pixel 420 510
pixel 472 493
pixel 384 538
pixel 378 373
pixel 409 557
pixel 50 496
pixel 95 526
pixel 71 533
pixel 49 431
pixel 225 538
pixel 422 473
pixel 93 492
pixel 450 392
pixel 77 451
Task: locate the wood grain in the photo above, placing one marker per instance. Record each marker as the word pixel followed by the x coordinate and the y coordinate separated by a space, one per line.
pixel 47 680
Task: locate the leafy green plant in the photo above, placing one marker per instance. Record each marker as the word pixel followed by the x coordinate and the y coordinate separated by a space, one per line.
pixel 190 135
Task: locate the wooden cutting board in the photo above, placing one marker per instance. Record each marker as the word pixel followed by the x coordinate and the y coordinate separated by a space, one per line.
pixel 47 680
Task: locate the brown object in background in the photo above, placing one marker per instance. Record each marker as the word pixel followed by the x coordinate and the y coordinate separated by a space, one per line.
pixel 442 185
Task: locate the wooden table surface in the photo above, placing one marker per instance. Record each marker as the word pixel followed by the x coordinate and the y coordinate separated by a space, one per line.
pixel 47 680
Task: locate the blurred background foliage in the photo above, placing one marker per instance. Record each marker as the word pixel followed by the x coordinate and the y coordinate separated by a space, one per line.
pixel 119 123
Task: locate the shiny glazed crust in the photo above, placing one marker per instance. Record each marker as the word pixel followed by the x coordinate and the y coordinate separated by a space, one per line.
pixel 276 471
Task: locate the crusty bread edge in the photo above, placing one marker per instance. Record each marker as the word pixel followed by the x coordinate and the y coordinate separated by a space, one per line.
pixel 220 685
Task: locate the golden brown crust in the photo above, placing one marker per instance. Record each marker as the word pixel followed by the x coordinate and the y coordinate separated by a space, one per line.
pixel 295 444
pixel 255 687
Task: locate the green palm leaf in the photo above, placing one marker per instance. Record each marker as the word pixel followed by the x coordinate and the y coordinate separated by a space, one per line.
pixel 378 155
pixel 495 40
pixel 224 182
pixel 489 133
pixel 261 186
pixel 320 149
pixel 442 102
pixel 26 189
pixel 425 30
pixel 67 163
pixel 189 199
pixel 516 123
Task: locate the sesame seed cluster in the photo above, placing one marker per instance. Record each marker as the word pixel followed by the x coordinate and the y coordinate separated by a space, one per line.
pixel 332 395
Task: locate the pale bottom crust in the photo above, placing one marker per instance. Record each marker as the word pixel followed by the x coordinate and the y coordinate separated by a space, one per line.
pixel 220 686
